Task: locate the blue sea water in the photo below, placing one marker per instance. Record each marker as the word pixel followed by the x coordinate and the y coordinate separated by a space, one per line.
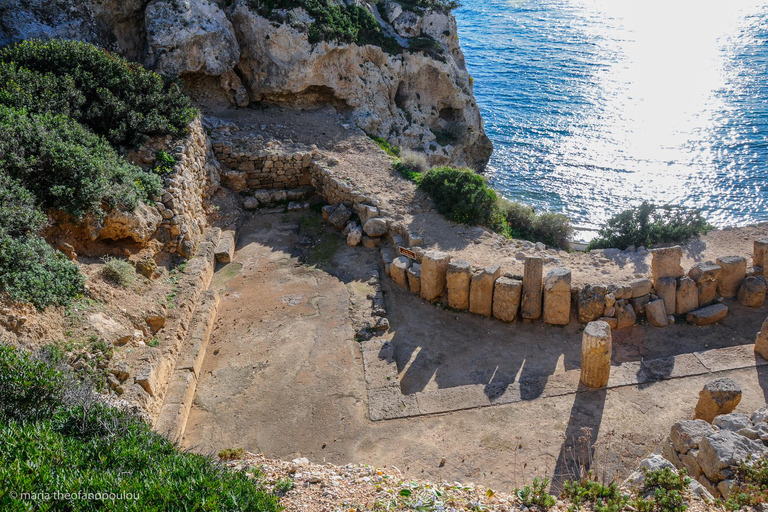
pixel 596 105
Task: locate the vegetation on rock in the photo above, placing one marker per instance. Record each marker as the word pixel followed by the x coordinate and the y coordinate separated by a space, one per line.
pixel 649 225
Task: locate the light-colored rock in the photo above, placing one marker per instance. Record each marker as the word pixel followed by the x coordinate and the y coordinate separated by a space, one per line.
pixel 557 297
pixel 761 341
pixel 734 421
pixel 590 303
pixel 414 278
pixel 366 212
pixel 687 434
pixel 691 464
pixel 110 329
pixel 612 322
pixel 752 292
pixel 638 304
pixel 641 287
pixel 189 36
pixel 708 315
pixel 481 290
pixel 705 271
pixel 434 265
pixel 653 462
pixel 250 203
pixel 656 313
pixel 355 236
pixel 138 225
pixel 370 242
pixel 707 292
pixel 625 317
pixel 530 306
pixel 375 227
pixel 665 262
pixel 719 396
pixel 506 298
pixel 152 372
pixel 458 278
pixel 720 451
pixel 666 289
pixel 225 249
pixel 687 298
pixel 760 255
pixel 339 216
pixel 596 346
pixel 398 271
pixel 734 270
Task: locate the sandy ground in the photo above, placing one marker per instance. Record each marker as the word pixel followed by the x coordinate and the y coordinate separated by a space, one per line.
pixel 284 376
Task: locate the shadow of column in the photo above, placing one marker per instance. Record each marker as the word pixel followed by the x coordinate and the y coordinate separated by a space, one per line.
pixel 577 452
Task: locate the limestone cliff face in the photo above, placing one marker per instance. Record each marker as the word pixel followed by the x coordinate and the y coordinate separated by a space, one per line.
pixel 420 100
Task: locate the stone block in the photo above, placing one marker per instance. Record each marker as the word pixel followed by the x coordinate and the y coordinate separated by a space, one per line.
pixel 641 287
pixel 734 270
pixel 375 227
pixel 687 434
pixel 687 298
pixel 761 342
pixel 590 303
pixel 708 315
pixel 665 262
pixel 656 313
pixel 355 236
pixel 720 451
pixel 481 291
pixel 398 271
pixel 506 298
pixel 705 271
pixel 596 346
pixel 760 255
pixel 719 396
pixel 339 216
pixel 530 307
pixel 638 304
pixel 666 289
pixel 414 278
pixel 707 292
pixel 612 322
pixel 458 277
pixel 225 249
pixel 752 291
pixel 557 296
pixel 625 316
pixel 434 265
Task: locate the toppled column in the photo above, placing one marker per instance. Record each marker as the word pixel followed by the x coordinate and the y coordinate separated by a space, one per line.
pixel 707 315
pixel 687 298
pixel 734 270
pixel 557 297
pixel 506 298
pixel 481 291
pixel 719 396
pixel 760 255
pixel 434 265
pixel 752 292
pixel 665 262
pixel 458 277
pixel 414 278
pixel 596 347
pixel 705 274
pixel 666 289
pixel 531 304
pixel 398 271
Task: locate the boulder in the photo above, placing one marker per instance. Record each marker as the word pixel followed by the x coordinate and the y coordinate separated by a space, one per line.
pixel 687 298
pixel 398 271
pixel 734 270
pixel 761 341
pixel 506 298
pixel 752 291
pixel 481 291
pixel 339 216
pixel 355 236
pixel 719 396
pixel 375 227
pixel 665 262
pixel 250 203
pixel 557 297
pixel 666 289
pixel 189 36
pixel 708 315
pixel 641 287
pixel 458 277
pixel 414 278
pixel 138 225
pixel 760 415
pixel 653 462
pixel 625 316
pixel 596 347
pixel 656 313
pixel 366 212
pixel 590 303
pixel 530 307
pixel 687 434
pixel 734 421
pixel 434 265
pixel 111 330
pixel 720 451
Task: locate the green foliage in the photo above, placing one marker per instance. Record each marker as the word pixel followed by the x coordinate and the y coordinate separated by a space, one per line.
pixel 460 194
pixel 282 486
pixel 386 146
pixel 605 498
pixel 411 165
pixel 19 215
pixel 67 167
pixel 649 225
pixel 536 495
pixel 118 271
pixel 32 272
pixel 114 98
pixel 429 46
pixel 55 440
pixel 751 488
pixel 552 229
pixel 164 163
pixel 664 490
pixel 445 6
pixel 231 454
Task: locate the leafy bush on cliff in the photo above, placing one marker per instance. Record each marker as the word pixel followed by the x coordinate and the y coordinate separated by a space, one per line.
pixel 648 225
pixel 460 194
pixel 445 6
pixel 19 214
pixel 113 97
pixel 67 167
pixel 57 438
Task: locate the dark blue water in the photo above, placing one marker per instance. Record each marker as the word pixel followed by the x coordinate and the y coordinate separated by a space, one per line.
pixel 593 107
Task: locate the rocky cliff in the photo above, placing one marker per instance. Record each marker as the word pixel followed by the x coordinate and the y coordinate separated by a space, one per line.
pixel 408 84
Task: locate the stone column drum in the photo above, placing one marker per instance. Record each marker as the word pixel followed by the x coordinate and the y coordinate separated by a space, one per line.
pixel 760 255
pixel 665 262
pixel 596 347
pixel 531 304
pixel 398 271
pixel 734 270
pixel 458 277
pixel 506 298
pixel 481 291
pixel 706 275
pixel 557 297
pixel 434 265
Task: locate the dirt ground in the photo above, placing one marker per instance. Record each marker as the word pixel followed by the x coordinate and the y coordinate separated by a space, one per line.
pixel 284 375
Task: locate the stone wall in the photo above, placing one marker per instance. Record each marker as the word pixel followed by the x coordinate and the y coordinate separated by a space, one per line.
pixel 263 168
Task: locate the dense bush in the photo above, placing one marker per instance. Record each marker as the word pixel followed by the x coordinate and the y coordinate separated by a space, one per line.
pixel 751 485
pixel 552 229
pixel 648 225
pixel 19 214
pixel 33 272
pixel 118 271
pixel 460 194
pixel 57 439
pixel 67 167
pixel 445 6
pixel 115 98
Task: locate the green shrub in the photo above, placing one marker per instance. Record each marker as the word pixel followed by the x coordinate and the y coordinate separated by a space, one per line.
pixel 536 495
pixel 19 215
pixel 460 194
pixel 118 271
pixel 445 6
pixel 751 487
pixel 386 146
pixel 649 225
pixel 664 489
pixel 606 498
pixel 520 218
pixel 552 229
pixel 32 272
pixel 411 165
pixel 231 454
pixel 67 167
pixel 113 97
pixel 56 439
pixel 164 163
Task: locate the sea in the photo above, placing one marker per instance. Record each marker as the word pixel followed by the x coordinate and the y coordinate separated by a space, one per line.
pixel 594 106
